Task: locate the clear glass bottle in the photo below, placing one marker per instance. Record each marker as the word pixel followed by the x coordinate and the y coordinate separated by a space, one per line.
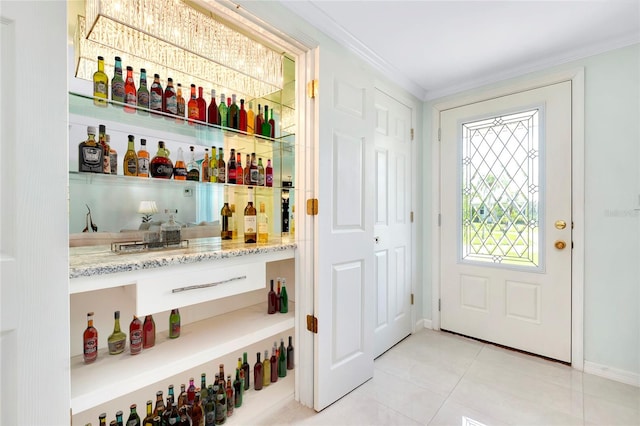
pixel 136 339
pixel 212 112
pixel 130 162
pixel 250 220
pixel 231 402
pixel 90 154
pixel 263 225
pixel 180 168
pixel 213 165
pixel 247 171
pixel 130 93
pixel 170 230
pixel 134 418
pixel 143 159
pixel 193 169
pixel 169 99
pixel 117 82
pixel 266 369
pixel 148 332
pixel 113 157
pixel 174 324
pixel 90 341
pixel 100 85
pixel 117 340
pixel 225 216
pixel 143 93
pixel 233 222
pixel 161 165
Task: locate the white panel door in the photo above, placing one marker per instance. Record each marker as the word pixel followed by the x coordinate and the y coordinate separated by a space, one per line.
pixel 344 292
pixel 506 220
pixel 392 229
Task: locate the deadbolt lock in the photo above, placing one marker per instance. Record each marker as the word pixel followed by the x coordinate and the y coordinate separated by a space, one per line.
pixel 561 224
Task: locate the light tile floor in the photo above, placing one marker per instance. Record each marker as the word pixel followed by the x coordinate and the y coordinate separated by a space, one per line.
pixel 435 378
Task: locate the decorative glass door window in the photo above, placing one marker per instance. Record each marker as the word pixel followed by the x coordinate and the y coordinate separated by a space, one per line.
pixel 500 197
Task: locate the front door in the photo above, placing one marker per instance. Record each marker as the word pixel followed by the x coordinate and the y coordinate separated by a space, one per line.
pixel 392 265
pixel 506 220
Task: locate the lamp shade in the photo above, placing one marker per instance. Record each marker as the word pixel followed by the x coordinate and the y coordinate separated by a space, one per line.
pixel 147 207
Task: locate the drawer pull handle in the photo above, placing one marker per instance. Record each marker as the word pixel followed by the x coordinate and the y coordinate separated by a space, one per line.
pixel 194 287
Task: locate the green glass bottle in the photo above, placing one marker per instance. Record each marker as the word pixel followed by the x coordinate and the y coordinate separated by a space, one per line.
pixel 203 388
pixel 117 339
pixel 222 111
pixel 143 99
pixel 284 298
pixel 119 420
pixel 210 409
pixel 174 324
pixel 117 82
pixel 245 367
pixel 238 389
pixel 266 127
pixel 233 114
pixel 282 360
pixel 134 419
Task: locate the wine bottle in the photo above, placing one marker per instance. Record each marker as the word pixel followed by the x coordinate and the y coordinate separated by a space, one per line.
pixel 231 402
pixel 192 106
pixel 245 368
pixel 278 294
pixel 250 222
pixel 266 369
pixel 238 389
pixel 222 168
pixel 212 113
pixel 143 93
pixel 134 418
pixel 90 341
pixel 259 121
pixel 213 165
pixel 143 159
pixel 181 107
pixel 284 298
pixel 135 336
pixel 202 106
pixel 282 360
pixel 266 127
pixel 232 114
pixel 156 95
pixel 130 93
pixel 170 100
pixel 100 85
pixel 180 168
pixel 247 171
pixel 290 355
pixel 272 125
pixel 193 170
pixel 174 324
pixel 148 332
pixel 274 363
pixel 90 154
pixel 242 117
pixel 257 374
pixel 221 403
pixel 263 225
pixel 222 111
pixel 225 215
pixel 254 174
pixel 210 410
pixel 130 166
pixel 117 82
pixel 271 300
pixel 231 167
pixel 117 339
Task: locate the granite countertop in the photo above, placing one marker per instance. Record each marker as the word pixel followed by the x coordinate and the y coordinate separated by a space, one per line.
pixel 100 260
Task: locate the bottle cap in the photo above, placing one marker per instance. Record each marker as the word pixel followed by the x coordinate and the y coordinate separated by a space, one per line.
pixel 118 58
pixel 133 406
pixel 143 70
pixel 116 315
pixel 100 58
pixel 143 142
pixel 129 68
pixel 91 130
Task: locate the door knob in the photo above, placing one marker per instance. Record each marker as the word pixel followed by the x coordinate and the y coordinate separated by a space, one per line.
pixel 560 224
pixel 560 245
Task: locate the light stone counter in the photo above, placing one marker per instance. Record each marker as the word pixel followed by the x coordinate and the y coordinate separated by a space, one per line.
pixel 100 260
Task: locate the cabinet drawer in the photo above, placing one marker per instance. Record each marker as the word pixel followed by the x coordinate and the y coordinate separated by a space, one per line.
pixel 162 292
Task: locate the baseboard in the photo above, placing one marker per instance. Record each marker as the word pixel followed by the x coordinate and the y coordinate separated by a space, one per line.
pixel 423 323
pixel 611 373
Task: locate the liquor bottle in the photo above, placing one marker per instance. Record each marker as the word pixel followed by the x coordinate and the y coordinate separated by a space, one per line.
pixel 259 121
pixel 173 418
pixel 156 95
pixel 148 420
pixel 282 360
pixel 213 165
pixel 233 223
pixel 100 85
pixel 130 162
pixel 159 404
pixel 161 165
pixel 290 355
pixel 197 417
pixel 254 173
pixel 268 174
pixel 251 119
pixel 193 170
pixel 90 154
pixel 231 401
pixel 130 93
pixel 203 387
pixel 185 419
pixel 174 324
pixel 261 177
pixel 148 332
pixel 284 298
pixel 143 93
pixel 212 112
pixel 90 341
pixel 266 127
pixel 157 421
pixel 250 222
pixel 245 368
pixel 210 411
pixel 266 369
pixel 202 106
pixel 191 392
pixel 117 340
pixel 233 117
pixel 134 418
pixel 169 99
pixel 273 362
pixel 143 159
pixel 231 167
pixel 113 157
pixel 222 111
pixel 102 419
pixel 205 166
pixel 257 374
pixel 221 403
pixel 239 171
pixel 117 82
pixel 102 140
pixel 180 169
pixel 263 225
pixel 119 419
pixel 135 336
pixel 238 388
pixel 192 107
pixel 278 295
pixel 225 215
pixel 271 300
pixel 272 123
pixel 182 397
pixel 181 107
pixel 247 171
pixel 242 117
pixel 222 169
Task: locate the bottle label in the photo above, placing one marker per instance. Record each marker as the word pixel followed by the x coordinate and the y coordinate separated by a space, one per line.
pixel 263 228
pixel 255 175
pixel 172 104
pixel 194 112
pixel 133 422
pixel 193 174
pixel 161 170
pixel 155 101
pixel 117 91
pixel 131 98
pixel 132 168
pixel 100 89
pixel 116 347
pixel 175 329
pixel 136 340
pixel 269 180
pixel 91 349
pixel 113 159
pixel 249 224
pixel 210 418
pixel 221 174
pixel 179 172
pixel 173 420
pixel 232 175
pixel 91 158
pixel 143 166
pixel 143 99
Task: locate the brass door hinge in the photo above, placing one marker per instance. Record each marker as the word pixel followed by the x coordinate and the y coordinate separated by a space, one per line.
pixel 312 89
pixel 312 324
pixel 312 206
pixel 411 217
pixel 412 133
pixel 412 298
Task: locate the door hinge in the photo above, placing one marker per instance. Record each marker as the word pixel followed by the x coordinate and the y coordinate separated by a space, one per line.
pixel 411 217
pixel 412 133
pixel 439 219
pixel 312 324
pixel 439 305
pixel 439 134
pixel 412 298
pixel 312 206
pixel 312 89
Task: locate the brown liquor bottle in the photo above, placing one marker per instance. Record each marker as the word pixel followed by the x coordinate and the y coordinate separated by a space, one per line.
pixel 90 154
pixel 90 340
pixel 136 339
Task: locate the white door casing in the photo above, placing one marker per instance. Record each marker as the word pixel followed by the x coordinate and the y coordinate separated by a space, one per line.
pixel 392 229
pixel 344 291
pixel 525 307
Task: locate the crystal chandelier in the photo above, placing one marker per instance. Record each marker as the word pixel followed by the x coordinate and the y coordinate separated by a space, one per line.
pixel 169 38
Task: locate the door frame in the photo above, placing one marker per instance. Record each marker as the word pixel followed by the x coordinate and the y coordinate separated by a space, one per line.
pixel 576 77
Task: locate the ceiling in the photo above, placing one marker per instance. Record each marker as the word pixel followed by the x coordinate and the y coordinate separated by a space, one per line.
pixel 436 48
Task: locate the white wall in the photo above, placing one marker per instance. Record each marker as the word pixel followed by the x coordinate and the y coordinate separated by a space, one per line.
pixel 612 192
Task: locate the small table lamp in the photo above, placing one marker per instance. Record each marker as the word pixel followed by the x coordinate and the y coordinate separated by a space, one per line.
pixel 147 209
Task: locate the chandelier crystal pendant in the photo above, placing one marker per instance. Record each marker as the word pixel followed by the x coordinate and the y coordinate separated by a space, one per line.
pixel 172 39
